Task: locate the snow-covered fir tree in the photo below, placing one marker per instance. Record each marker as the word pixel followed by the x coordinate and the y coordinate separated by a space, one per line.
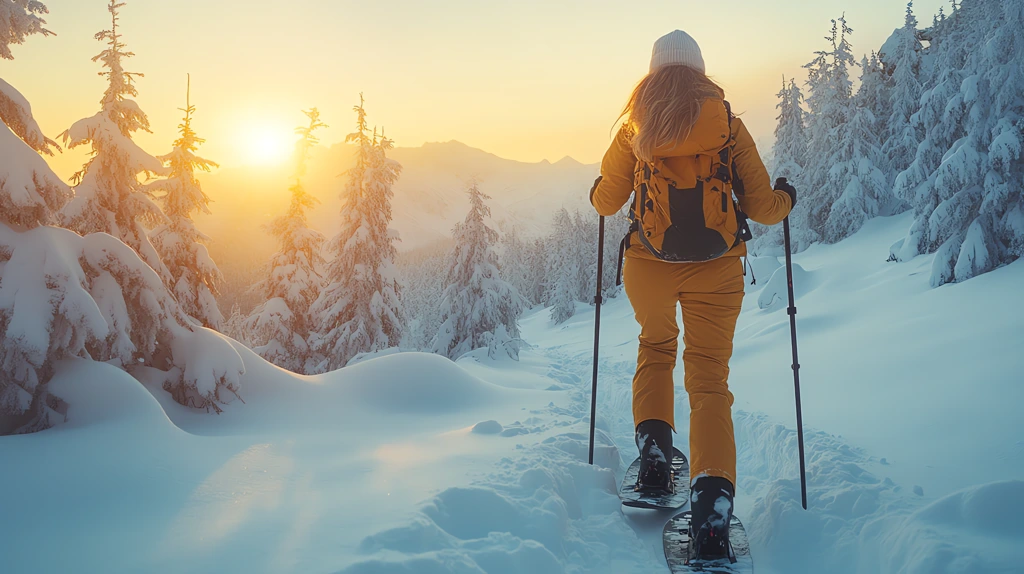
pixel 874 95
pixel 966 182
pixel 283 326
pixel 479 308
pixel 194 275
pixel 423 274
pixel 63 295
pixel 18 20
pixel 360 310
pixel 788 157
pixel 538 276
pixel 108 196
pixel 862 187
pixel 829 103
pixel 790 150
pixel 901 137
pixel 30 193
pixel 565 267
pixel 515 262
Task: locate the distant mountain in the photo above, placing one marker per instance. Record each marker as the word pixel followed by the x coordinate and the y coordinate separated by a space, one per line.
pixel 429 197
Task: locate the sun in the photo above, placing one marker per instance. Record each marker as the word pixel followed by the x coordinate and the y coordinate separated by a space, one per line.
pixel 267 145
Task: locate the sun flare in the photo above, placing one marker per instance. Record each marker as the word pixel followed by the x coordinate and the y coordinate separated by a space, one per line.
pixel 267 145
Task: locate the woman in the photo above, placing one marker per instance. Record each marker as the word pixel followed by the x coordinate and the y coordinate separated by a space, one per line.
pixel 678 118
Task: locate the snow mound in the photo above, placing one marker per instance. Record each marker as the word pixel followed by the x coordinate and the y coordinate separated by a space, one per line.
pixel 974 530
pixel 487 427
pixel 761 269
pixel 775 294
pixel 993 509
pixel 101 395
pixel 363 357
pixel 413 383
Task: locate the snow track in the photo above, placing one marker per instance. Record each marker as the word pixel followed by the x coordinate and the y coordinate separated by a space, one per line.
pixel 545 510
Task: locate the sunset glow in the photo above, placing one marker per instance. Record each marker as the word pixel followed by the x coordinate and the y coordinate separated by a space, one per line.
pixel 265 145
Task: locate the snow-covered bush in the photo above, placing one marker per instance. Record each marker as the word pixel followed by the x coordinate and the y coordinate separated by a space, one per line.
pixel 479 308
pixel 360 310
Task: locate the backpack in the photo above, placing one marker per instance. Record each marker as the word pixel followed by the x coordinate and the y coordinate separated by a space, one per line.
pixel 687 225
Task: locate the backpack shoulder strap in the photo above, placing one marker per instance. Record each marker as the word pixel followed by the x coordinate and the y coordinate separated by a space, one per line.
pixel 725 166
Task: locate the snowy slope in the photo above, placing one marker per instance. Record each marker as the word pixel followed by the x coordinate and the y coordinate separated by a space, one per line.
pixel 410 463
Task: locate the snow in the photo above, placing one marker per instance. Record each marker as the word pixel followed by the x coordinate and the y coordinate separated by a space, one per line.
pixel 376 468
pixel 16 113
pixel 29 190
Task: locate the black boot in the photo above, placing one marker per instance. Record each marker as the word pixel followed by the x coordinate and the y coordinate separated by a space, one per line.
pixel 710 513
pixel 654 439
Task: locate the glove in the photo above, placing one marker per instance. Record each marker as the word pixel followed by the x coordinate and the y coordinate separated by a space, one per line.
pixel 782 185
pixel 593 189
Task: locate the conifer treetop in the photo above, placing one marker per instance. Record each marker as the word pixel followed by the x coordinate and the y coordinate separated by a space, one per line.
pixel 307 141
pixel 121 82
pixel 183 163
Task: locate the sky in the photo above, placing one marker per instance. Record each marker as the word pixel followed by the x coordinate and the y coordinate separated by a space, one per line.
pixel 524 79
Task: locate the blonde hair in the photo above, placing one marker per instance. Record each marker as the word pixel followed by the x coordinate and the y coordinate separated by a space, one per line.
pixel 665 106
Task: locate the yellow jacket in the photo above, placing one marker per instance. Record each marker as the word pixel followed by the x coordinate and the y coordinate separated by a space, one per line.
pixel 751 185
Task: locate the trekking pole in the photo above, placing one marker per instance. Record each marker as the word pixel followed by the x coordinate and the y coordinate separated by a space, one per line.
pixel 796 362
pixel 597 331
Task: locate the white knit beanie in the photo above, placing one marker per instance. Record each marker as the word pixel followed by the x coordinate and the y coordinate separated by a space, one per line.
pixel 677 48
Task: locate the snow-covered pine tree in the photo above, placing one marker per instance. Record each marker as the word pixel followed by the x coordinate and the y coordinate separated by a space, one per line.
pixel 515 262
pixel 874 94
pixel 63 295
pixel 18 20
pixel 194 275
pixel 788 158
pixel 901 137
pixel 966 180
pixel 283 326
pixel 538 271
pixel 564 268
pixel 942 66
pixel 360 310
pixel 863 188
pixel 830 92
pixel 108 195
pixel 790 133
pixel 585 237
pixel 479 308
pixel 423 273
pixel 30 193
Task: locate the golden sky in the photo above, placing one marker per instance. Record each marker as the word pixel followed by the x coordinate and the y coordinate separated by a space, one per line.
pixel 524 79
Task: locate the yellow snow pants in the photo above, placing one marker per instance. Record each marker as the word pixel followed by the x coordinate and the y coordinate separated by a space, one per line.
pixel 711 294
